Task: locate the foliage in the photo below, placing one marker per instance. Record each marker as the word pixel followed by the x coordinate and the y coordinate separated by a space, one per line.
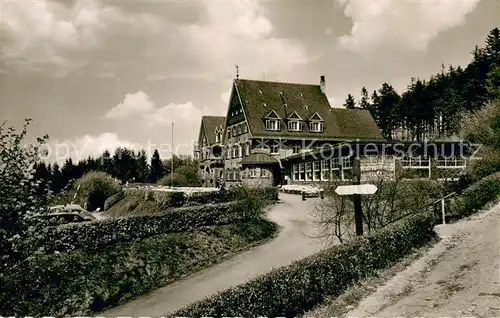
pixel 114 199
pixel 100 233
pixel 334 216
pixel 185 172
pixel 292 290
pixel 350 103
pixel 157 169
pixel 483 126
pixel 478 195
pixel 93 188
pixel 21 194
pixel 83 282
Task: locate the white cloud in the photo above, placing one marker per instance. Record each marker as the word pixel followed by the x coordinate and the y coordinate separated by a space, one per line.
pixel 41 34
pixel 225 96
pixel 133 104
pixel 240 33
pixel 408 24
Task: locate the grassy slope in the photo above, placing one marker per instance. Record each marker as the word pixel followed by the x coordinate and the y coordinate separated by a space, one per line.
pixel 80 282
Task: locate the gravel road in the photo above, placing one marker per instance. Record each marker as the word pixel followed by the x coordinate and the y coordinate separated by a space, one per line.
pixel 458 277
pixel 292 243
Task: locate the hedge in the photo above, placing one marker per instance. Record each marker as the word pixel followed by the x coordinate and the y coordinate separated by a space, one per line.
pixel 99 233
pixel 292 290
pixel 475 197
pixel 77 283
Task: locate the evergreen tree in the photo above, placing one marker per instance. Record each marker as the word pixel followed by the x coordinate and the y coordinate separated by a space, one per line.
pixel 364 102
pixel 492 48
pixel 157 170
pixel 56 180
pixel 142 167
pixel 350 103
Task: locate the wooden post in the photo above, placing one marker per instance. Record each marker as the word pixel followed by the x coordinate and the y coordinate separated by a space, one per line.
pixel 443 212
pixel 358 214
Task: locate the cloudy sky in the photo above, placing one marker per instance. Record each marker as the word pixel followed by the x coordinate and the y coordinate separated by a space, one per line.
pixel 97 74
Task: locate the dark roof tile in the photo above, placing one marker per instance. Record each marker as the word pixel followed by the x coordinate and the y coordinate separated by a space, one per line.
pixel 305 100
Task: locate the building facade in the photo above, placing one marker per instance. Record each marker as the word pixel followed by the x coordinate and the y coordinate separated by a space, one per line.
pixel 209 150
pixel 272 130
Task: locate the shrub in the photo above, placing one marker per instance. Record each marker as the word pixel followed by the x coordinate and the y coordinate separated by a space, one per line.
pixel 93 188
pixel 82 282
pixel 18 191
pixel 97 234
pixel 114 199
pixel 292 290
pixel 478 195
pixel 487 165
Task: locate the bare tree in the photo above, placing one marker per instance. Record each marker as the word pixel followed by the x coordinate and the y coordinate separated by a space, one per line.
pixel 334 216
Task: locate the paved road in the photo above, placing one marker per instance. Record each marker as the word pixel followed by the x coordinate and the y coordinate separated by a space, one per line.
pixel 459 277
pixel 292 243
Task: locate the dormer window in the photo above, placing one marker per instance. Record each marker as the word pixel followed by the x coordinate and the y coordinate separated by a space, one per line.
pixel 295 125
pixel 217 137
pixel 294 122
pixel 272 124
pixel 316 123
pixel 272 121
pixel 316 126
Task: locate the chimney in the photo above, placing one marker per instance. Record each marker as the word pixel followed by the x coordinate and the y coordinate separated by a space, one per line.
pixel 322 84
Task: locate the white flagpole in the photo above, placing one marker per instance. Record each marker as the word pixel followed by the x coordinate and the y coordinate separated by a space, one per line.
pixel 172 162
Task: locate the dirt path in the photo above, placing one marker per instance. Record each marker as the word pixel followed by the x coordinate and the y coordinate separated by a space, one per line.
pixel 291 244
pixel 460 276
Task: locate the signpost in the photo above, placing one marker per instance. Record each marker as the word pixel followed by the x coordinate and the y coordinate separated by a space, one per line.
pixel 356 191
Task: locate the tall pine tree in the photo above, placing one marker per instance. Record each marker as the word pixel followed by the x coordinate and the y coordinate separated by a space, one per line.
pixel 350 103
pixel 157 170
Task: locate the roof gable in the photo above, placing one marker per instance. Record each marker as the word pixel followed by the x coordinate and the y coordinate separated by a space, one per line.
pixel 209 127
pixel 294 115
pixel 273 114
pixel 316 116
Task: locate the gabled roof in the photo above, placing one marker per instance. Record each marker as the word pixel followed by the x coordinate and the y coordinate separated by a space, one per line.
pixel 305 100
pixel 316 116
pixel 273 114
pixel 294 115
pixel 209 123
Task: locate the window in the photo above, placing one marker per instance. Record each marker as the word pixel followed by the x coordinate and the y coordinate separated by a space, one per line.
pixel 316 126
pixel 264 173
pixel 347 173
pixel 450 162
pixel 317 172
pixel 275 148
pixel 236 151
pixel 295 174
pixel 346 163
pixel 217 137
pixel 245 127
pixel 302 172
pixel 228 152
pixel 295 125
pixel 335 165
pixel 296 149
pixel 415 162
pixel 325 170
pixel 237 174
pixel 272 124
pixel 253 172
pixel 309 173
pixel 228 132
pixel 239 129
